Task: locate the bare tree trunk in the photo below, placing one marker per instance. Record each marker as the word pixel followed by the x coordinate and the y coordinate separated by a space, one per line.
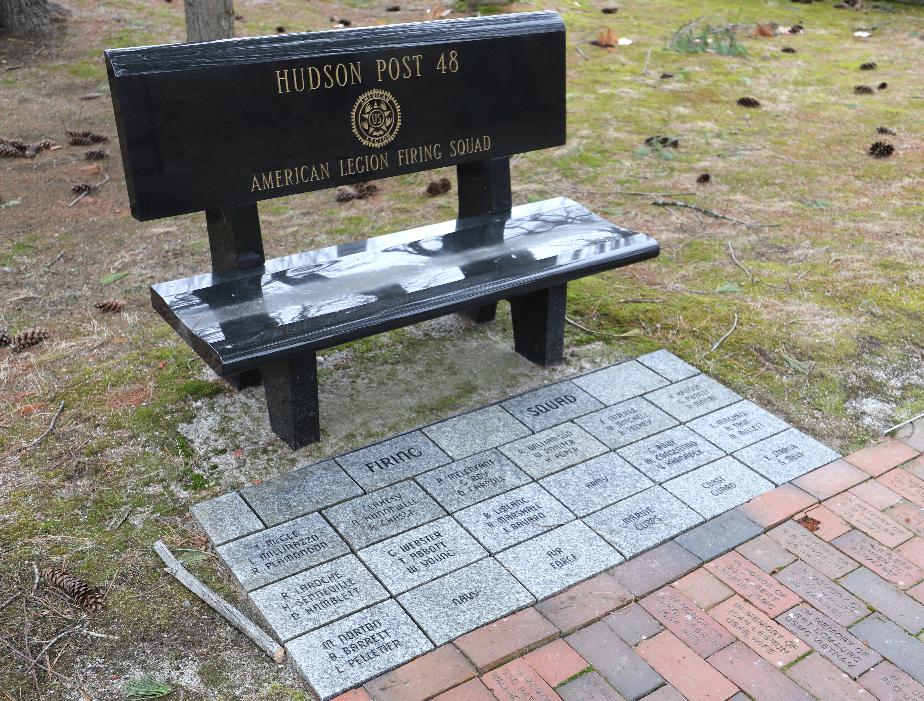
pixel 208 19
pixel 27 18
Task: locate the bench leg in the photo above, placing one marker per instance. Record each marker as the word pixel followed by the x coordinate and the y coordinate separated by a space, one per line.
pixel 292 399
pixel 248 378
pixel 482 315
pixel 539 325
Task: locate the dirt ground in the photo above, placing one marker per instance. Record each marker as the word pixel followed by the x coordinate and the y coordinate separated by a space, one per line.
pixel 813 270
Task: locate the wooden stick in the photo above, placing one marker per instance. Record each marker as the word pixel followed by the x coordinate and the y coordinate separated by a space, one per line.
pixel 727 334
pixel 219 605
pixel 710 213
pixel 51 427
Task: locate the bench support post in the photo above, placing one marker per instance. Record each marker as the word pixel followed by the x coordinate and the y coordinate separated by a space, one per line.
pixel 235 242
pixel 539 325
pixel 291 388
pixel 484 188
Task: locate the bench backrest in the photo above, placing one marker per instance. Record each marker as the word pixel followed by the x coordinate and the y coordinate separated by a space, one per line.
pixel 221 124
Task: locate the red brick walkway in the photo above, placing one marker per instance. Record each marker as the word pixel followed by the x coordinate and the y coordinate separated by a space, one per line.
pixel 827 602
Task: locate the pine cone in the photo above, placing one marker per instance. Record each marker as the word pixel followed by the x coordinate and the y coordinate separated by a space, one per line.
pixel 704 178
pixel 81 188
pixel 788 50
pixel 445 185
pixel 663 141
pixel 882 86
pixel 346 193
pixel 609 10
pixel 748 102
pixel 433 188
pixel 30 152
pixel 797 29
pixel 885 130
pixel 5 340
pixel 15 143
pixel 881 149
pixel 85 138
pixel 862 89
pixel 110 306
pixel 96 155
pixel 364 190
pixel 87 597
pixel 28 338
pixel 44 145
pixel 8 150
pixel 870 66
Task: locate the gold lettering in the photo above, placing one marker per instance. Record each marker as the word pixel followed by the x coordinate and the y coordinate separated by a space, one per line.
pixel 325 170
pixel 301 173
pixel 288 172
pixel 267 181
pixel 342 75
pixel 278 178
pixel 296 73
pixel 380 66
pixel 255 185
pixel 314 78
pixel 329 82
pixel 355 73
pixel 280 77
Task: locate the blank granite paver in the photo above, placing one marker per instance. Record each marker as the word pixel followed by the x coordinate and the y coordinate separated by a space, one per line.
pixel 879 559
pixel 830 639
pixel 350 651
pixel 872 522
pixel 762 634
pixel 422 554
pixel 828 597
pixel 553 449
pixel 719 535
pixel 596 483
pixel 643 521
pixel 463 600
pixel 893 643
pixel 786 455
pixel 823 557
pixel 737 426
pixel 476 431
pixel 668 365
pixel 689 399
pixel 373 517
pixel 317 596
pixel 626 422
pixel 551 405
pixel 883 597
pixel 620 382
pixel 476 478
pixel 513 517
pixel 687 621
pixel 751 582
pixel 300 492
pixel 717 487
pixel 271 555
pixel 225 518
pixel 888 683
pixel 670 453
pixel 393 460
pixel 553 561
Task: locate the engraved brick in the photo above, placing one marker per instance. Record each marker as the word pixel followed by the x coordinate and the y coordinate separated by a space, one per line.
pixel 620 382
pixel 687 621
pixel 691 675
pixel 833 641
pixel 906 484
pixel 496 643
pixel 670 453
pixel 556 662
pixel 633 624
pixel 831 479
pixel 817 553
pixel 476 478
pixel 766 553
pixel 596 484
pixel 763 635
pixel 831 599
pixel 786 455
pixel 551 405
pixel 753 583
pixel 668 365
pixel 823 522
pixel 391 461
pixel 909 515
pixel 517 680
pixel 476 431
pixel 776 506
pixel 626 422
pixel 737 426
pixel 886 638
pixel 825 681
pixel 225 518
pixel 876 494
pixel 435 672
pixel 589 687
pixel 719 535
pixel 888 683
pixel 883 597
pixel 621 666
pixel 863 516
pixel 584 602
pixel 879 559
pixel 692 398
pixel 473 690
pixel 882 457
pixel 702 588
pixel 717 487
pixel 643 574
pixel 553 449
pixel 755 676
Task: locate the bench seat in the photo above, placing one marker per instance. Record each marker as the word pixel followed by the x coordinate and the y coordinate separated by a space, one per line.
pixel 243 319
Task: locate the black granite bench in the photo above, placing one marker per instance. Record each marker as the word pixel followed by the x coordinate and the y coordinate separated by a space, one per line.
pixel 219 126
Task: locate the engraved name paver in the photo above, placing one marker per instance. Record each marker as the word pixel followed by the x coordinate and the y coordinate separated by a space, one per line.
pixel 620 382
pixel 689 399
pixel 861 515
pixel 270 555
pixel 391 461
pixel 829 598
pixel 668 365
pixel 830 639
pixel 382 514
pixel 753 583
pixel 513 517
pixel 823 557
pixel 763 635
pixel 786 455
pixel 553 449
pixel 551 405
pixel 626 422
pixel 476 431
pixel 595 484
pixel 517 681
pixel 317 596
pixel 343 654
pixel 643 521
pixel 687 621
pixel 464 600
pixel 737 426
pixel 906 484
pixel 717 487
pixel 671 453
pixel 879 559
pixel 555 560
pixel 476 478
pixel 425 553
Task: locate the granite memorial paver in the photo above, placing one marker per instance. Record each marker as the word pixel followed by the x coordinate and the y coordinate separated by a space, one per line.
pixel 828 597
pixel 595 484
pixel 717 487
pixel 225 518
pixel 620 382
pixel 555 560
pixel 763 635
pixel 373 517
pixel 643 521
pixel 393 460
pixel 513 517
pixel 626 422
pixel 347 652
pixel 737 426
pixel 317 596
pixel 270 555
pixel 300 492
pixel 668 365
pixel 476 478
pixel 670 453
pixel 464 600
pixel 692 398
pixel 423 554
pixel 830 639
pixel 476 431
pixel 552 405
pixel 553 449
pixel 786 455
